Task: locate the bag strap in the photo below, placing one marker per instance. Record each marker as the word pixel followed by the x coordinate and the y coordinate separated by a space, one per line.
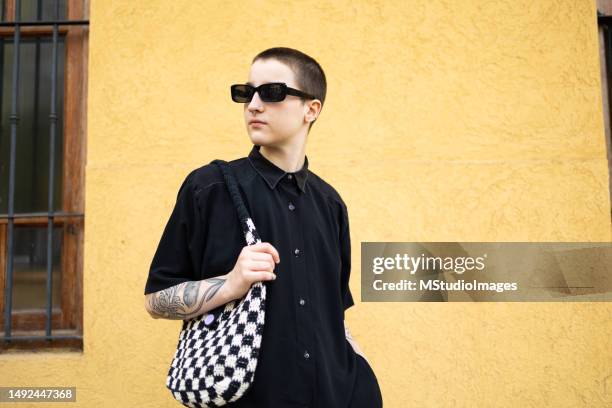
pixel 248 227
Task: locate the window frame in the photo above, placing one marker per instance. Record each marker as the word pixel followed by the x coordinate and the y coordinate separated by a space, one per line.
pixel 67 317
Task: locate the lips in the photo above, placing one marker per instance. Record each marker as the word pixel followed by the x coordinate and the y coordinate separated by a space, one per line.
pixel 255 122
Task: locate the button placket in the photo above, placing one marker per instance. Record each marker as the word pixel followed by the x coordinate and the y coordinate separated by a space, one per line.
pixel 302 290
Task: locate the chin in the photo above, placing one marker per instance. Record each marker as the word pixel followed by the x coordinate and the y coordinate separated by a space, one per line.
pixel 260 138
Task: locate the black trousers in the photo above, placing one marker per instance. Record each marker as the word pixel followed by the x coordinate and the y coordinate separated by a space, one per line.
pixel 366 393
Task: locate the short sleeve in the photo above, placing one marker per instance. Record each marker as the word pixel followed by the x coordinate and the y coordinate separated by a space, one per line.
pixel 345 251
pixel 176 259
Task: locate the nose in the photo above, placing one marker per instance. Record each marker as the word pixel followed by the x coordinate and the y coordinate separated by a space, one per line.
pixel 256 102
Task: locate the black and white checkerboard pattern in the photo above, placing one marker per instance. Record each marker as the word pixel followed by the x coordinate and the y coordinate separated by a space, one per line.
pixel 216 364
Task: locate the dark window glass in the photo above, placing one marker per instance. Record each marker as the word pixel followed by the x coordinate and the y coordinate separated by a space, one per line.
pixel 40 10
pixel 30 267
pixel 33 128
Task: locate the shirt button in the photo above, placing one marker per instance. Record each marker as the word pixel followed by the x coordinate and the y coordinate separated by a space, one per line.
pixel 302 302
pixel 306 355
pixel 296 252
pixel 289 176
pixel 291 206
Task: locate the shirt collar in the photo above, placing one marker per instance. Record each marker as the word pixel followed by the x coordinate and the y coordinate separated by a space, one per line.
pixel 272 174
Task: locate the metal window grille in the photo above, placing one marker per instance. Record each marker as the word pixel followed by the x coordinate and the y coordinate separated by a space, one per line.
pixel 14 117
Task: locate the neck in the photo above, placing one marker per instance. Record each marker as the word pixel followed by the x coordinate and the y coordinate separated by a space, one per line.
pixel 290 158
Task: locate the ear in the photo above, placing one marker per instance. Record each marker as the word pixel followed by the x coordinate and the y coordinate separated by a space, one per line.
pixel 312 110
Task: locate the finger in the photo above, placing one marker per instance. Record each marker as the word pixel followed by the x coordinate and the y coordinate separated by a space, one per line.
pixel 267 247
pixel 260 276
pixel 261 266
pixel 268 276
pixel 262 256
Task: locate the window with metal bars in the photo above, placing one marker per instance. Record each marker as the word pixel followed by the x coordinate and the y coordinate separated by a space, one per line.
pixel 43 85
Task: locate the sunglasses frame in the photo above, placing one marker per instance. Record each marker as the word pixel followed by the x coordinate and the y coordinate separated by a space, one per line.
pixel 286 89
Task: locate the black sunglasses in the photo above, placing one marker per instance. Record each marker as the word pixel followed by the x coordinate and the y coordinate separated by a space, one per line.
pixel 270 92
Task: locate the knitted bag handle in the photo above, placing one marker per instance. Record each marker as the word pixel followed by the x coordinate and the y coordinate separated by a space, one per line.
pixel 248 227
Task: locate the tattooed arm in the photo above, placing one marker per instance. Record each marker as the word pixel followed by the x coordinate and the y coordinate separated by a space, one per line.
pixel 188 299
pixel 352 342
pixel 193 298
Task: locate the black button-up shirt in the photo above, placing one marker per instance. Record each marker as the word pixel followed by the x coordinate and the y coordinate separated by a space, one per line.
pixel 305 359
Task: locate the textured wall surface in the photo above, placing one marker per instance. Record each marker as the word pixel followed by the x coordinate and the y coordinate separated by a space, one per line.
pixel 444 121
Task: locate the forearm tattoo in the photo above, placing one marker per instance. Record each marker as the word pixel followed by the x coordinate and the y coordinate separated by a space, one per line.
pixel 214 288
pixel 183 301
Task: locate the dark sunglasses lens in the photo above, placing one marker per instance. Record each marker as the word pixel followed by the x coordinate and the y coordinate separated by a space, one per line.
pixel 272 92
pixel 242 93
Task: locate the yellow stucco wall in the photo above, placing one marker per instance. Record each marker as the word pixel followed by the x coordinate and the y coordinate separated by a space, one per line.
pixel 444 121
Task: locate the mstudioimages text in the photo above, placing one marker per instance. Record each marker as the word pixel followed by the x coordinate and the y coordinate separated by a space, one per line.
pixel 436 284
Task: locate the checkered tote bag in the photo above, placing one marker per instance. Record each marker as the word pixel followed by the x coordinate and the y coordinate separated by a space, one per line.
pixel 217 352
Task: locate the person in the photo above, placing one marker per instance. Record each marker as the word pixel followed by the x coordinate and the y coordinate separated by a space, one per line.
pixel 307 356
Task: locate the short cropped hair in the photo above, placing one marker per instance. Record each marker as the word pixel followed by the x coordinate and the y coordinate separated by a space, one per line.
pixel 308 73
